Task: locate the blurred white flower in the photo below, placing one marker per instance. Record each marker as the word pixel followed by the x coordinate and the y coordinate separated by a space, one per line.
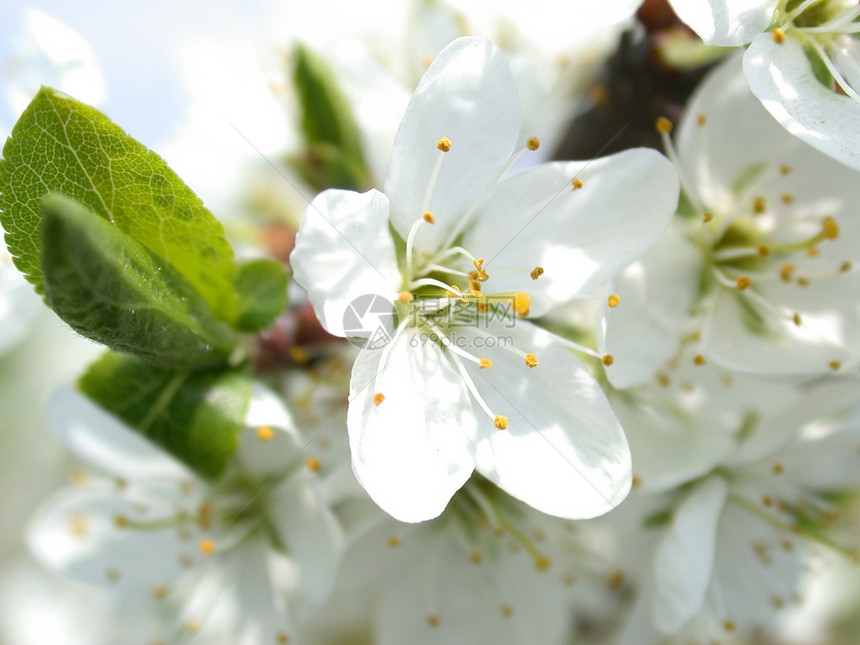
pixel 731 486
pixel 764 254
pixel 803 68
pixel 240 544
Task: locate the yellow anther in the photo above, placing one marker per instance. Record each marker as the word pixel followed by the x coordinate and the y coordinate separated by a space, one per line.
pixel 763 251
pixel 433 620
pixel 485 363
pixel 428 217
pixel 394 542
pixel 663 125
pixel 79 525
pixel 701 119
pixel 474 285
pixel 522 302
pixel 778 36
pixel 79 477
pixel 707 217
pixel 282 638
pixel 160 591
pixel 786 271
pixel 797 319
pixel 787 198
pixel 536 273
pixel 608 359
pixel 405 296
pixel 698 359
pixel 829 228
pixel 784 170
pixel 507 611
pixel 636 481
pixel 767 500
pixel 378 398
pixel 313 464
pixel 531 360
pixel 778 468
pixel 802 282
pixel 264 433
pixel 444 144
pixel 543 563
pixel 616 579
pixel 613 300
pixel 120 521
pixel 845 267
pixel 192 626
pixel 533 143
pixel 501 422
pixel 207 546
pixel 743 282
pixel 483 307
pixel 663 379
pixel 814 252
pixel 759 205
pixel 576 182
pixel 835 365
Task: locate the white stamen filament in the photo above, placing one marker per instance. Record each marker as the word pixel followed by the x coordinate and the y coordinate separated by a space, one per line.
pixel 669 147
pixel 471 384
pixel 837 76
pixel 447 253
pixel 834 26
pixel 431 184
pixel 799 10
pixel 433 282
pixel 410 243
pixel 443 269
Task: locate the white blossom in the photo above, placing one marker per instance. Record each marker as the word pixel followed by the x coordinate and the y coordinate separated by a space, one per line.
pixel 232 548
pixel 425 412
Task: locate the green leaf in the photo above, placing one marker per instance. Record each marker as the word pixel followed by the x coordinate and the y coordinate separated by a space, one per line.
pixel 323 166
pixel 262 287
pixel 332 139
pixel 61 145
pixel 111 289
pixel 195 416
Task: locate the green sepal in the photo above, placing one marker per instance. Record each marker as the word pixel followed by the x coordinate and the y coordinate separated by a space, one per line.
pixel 61 145
pixel 196 416
pixel 262 286
pixel 333 155
pixel 111 289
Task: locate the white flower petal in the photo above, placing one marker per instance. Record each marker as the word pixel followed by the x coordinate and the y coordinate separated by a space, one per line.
pixel 103 441
pixel 781 76
pixel 716 150
pixel 467 95
pixel 774 344
pixel 310 533
pixel 580 237
pixel 76 533
pixel 782 429
pixel 667 452
pixel 727 23
pixel 270 440
pixel 685 557
pixel 413 450
pixel 344 250
pixel 656 294
pixel 564 452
